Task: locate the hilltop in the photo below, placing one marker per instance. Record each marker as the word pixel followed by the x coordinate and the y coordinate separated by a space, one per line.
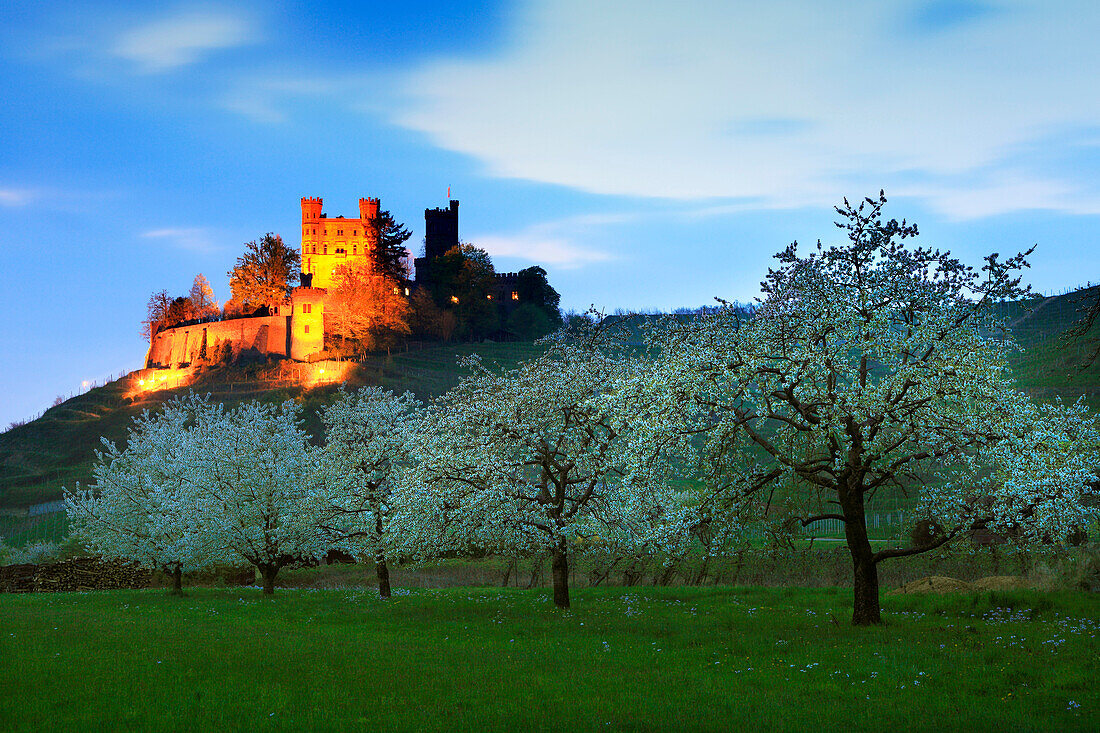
pixel 1049 367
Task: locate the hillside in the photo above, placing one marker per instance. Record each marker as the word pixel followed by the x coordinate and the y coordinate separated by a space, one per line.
pixel 58 449
pixel 1049 366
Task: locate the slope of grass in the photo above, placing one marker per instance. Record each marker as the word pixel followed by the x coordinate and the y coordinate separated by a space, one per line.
pixel 1050 365
pixel 58 449
pixel 495 659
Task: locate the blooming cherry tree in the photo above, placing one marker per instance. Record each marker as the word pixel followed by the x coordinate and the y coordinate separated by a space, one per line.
pixel 255 476
pixel 532 458
pixel 874 367
pixel 368 437
pixel 141 506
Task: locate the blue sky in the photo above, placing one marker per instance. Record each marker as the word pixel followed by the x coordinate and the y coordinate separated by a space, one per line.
pixel 647 154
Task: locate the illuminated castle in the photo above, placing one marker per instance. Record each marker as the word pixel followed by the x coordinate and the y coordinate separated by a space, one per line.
pixel 331 243
pixel 295 329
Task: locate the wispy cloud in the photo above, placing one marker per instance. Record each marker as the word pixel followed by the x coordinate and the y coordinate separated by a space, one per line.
pixel 268 98
pixel 552 243
pixel 17 196
pixel 194 239
pixel 182 39
pixel 783 104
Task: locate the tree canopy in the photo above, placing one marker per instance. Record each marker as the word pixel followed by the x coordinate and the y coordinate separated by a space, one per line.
pixel 366 308
pixel 873 367
pixel 265 273
pixel 462 282
pixel 156 313
pixel 369 434
pixel 203 303
pixel 534 458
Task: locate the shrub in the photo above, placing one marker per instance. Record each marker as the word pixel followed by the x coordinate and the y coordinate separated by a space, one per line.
pixel 35 553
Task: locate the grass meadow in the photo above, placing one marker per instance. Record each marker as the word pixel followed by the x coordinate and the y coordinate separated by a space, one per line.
pixel 503 659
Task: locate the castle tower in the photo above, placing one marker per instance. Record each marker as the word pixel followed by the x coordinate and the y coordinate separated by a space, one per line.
pixel 307 322
pixel 311 209
pixel 368 209
pixel 440 235
pixel 440 230
pixel 332 242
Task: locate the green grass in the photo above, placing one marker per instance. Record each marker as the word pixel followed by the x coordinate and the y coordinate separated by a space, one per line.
pixel 503 659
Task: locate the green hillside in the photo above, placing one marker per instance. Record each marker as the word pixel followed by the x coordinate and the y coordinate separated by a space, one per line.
pixel 1051 366
pixel 58 449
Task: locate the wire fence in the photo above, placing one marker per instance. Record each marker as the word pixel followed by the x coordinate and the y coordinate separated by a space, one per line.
pixel 85 386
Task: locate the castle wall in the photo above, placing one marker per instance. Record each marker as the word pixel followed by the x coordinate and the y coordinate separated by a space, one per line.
pixel 182 344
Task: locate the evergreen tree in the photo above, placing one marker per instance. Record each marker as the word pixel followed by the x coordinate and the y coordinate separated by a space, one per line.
pixel 389 251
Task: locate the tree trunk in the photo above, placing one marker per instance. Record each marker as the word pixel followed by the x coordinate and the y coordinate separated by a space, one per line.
pixel 383 573
pixel 269 572
pixel 177 582
pixel 865 608
pixel 508 573
pixel 560 566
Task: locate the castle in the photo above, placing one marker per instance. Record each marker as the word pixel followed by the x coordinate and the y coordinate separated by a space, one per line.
pixel 331 243
pixel 296 328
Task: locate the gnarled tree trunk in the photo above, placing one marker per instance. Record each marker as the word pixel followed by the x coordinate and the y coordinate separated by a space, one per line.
pixel 559 564
pixel 865 606
pixel 177 581
pixel 268 573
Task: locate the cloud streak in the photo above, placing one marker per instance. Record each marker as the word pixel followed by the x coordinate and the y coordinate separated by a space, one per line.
pixel 788 103
pixel 193 239
pixel 552 243
pixel 14 197
pixel 181 39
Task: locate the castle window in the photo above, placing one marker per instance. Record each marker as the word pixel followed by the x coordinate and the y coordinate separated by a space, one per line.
pixel 340 232
pixel 307 329
pixel 314 248
pixel 324 248
pixel 515 295
pixel 355 233
pixel 355 249
pixel 306 307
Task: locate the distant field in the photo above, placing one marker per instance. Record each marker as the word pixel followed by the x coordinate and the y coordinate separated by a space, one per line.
pixel 501 659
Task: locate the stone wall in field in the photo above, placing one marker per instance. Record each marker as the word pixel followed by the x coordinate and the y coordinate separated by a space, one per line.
pixel 82 573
